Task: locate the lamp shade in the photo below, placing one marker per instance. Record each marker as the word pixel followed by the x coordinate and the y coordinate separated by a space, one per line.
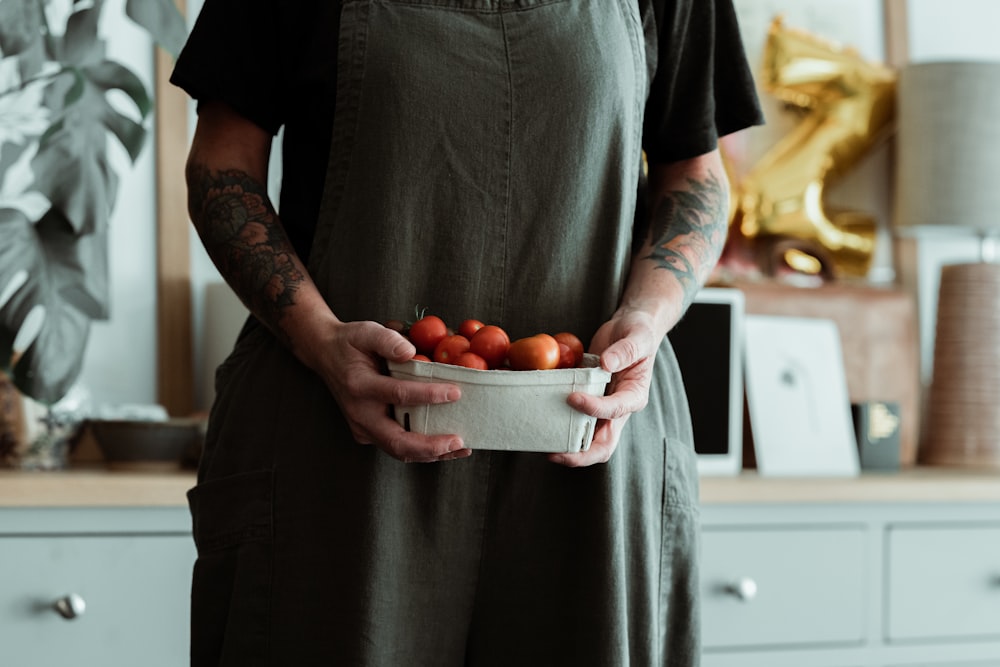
pixel 948 147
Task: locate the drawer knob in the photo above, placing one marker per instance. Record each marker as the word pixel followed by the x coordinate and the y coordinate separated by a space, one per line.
pixel 70 606
pixel 745 589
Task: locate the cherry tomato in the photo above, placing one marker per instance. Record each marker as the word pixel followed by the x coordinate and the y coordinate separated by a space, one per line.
pixel 421 357
pixel 449 348
pixel 573 354
pixel 468 328
pixel 534 353
pixel 491 343
pixel 566 357
pixel 471 360
pixel 427 332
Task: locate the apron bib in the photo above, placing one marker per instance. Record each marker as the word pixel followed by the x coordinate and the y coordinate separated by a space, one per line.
pixel 484 164
pixel 484 161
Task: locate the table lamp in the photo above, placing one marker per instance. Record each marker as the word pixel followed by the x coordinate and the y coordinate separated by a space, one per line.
pixel 948 181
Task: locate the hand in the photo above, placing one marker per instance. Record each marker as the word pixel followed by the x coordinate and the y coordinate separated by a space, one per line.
pixel 351 367
pixel 627 345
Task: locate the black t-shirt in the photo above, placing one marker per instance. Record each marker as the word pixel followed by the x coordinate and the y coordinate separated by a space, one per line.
pixel 275 62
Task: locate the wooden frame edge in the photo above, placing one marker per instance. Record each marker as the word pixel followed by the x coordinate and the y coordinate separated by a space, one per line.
pixel 897 40
pixel 174 344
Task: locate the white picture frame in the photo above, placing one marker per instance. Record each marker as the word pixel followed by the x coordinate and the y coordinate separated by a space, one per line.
pixel 797 398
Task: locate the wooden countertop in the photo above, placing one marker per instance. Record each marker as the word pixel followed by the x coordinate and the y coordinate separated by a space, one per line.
pixel 102 488
pixel 924 484
pixel 96 487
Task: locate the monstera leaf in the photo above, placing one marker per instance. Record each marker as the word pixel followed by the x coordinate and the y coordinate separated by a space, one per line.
pixel 49 275
pixel 54 259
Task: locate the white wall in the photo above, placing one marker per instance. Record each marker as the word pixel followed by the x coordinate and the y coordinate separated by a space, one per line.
pixel 120 361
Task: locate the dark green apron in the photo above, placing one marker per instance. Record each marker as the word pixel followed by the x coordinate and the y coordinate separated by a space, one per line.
pixel 484 164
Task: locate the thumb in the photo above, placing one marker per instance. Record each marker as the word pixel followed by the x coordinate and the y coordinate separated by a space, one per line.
pixel 621 355
pixel 397 347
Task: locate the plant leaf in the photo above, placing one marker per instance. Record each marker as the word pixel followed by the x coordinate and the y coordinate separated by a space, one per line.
pixel 19 26
pixel 72 172
pixel 82 262
pixel 81 44
pixel 109 75
pixel 72 168
pixel 162 20
pixel 51 364
pixel 129 133
pixel 75 91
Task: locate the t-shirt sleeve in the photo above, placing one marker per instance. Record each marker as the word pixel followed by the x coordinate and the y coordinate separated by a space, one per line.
pixel 230 56
pixel 701 87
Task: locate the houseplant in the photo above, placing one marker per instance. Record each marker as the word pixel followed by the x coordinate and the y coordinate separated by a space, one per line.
pixel 57 186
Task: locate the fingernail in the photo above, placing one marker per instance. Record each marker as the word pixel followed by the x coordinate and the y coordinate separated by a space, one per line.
pixel 453 395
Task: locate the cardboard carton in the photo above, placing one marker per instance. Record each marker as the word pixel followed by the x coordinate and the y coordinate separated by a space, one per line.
pixel 504 409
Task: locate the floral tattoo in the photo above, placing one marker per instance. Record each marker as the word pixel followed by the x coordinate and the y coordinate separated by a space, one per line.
pixel 242 235
pixel 687 231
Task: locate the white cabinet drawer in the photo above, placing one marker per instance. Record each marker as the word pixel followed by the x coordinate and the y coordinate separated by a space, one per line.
pixel 136 589
pixel 809 586
pixel 944 582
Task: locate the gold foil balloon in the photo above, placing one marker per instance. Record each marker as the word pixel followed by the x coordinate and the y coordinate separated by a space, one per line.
pixel 846 106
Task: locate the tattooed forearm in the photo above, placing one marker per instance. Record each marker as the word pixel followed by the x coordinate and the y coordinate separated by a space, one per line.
pixel 242 235
pixel 687 231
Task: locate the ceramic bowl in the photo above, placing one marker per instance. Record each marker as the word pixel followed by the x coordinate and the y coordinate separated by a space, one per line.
pixel 147 445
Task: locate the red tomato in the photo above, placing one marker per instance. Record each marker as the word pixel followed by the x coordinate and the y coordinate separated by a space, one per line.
pixel 468 328
pixel 573 354
pixel 566 357
pixel 534 353
pixel 491 343
pixel 427 332
pixel 421 357
pixel 471 360
pixel 449 348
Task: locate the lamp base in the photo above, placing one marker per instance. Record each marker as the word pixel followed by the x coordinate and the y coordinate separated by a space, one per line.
pixel 963 419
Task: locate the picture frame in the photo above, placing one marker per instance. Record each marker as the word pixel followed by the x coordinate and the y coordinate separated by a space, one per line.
pixel 797 399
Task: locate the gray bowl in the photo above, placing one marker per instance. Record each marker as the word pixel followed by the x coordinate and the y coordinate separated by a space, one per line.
pixel 147 445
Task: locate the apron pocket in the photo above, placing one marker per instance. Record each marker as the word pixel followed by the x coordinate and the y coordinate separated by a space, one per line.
pixel 231 585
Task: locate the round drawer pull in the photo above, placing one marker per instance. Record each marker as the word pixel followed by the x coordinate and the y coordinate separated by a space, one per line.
pixel 744 590
pixel 70 606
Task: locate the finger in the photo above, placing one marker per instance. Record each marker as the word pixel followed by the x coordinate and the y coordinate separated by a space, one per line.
pixel 410 446
pixel 450 456
pixel 601 448
pixel 624 353
pixel 621 403
pixel 373 338
pixel 387 390
pixel 414 447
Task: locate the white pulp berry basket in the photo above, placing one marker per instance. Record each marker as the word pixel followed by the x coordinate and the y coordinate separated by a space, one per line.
pixel 508 410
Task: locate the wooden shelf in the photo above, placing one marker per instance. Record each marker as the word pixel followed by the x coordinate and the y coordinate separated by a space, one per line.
pixel 102 488
pixel 94 488
pixel 911 485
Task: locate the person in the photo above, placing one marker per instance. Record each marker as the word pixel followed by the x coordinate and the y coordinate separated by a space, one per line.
pixel 482 158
